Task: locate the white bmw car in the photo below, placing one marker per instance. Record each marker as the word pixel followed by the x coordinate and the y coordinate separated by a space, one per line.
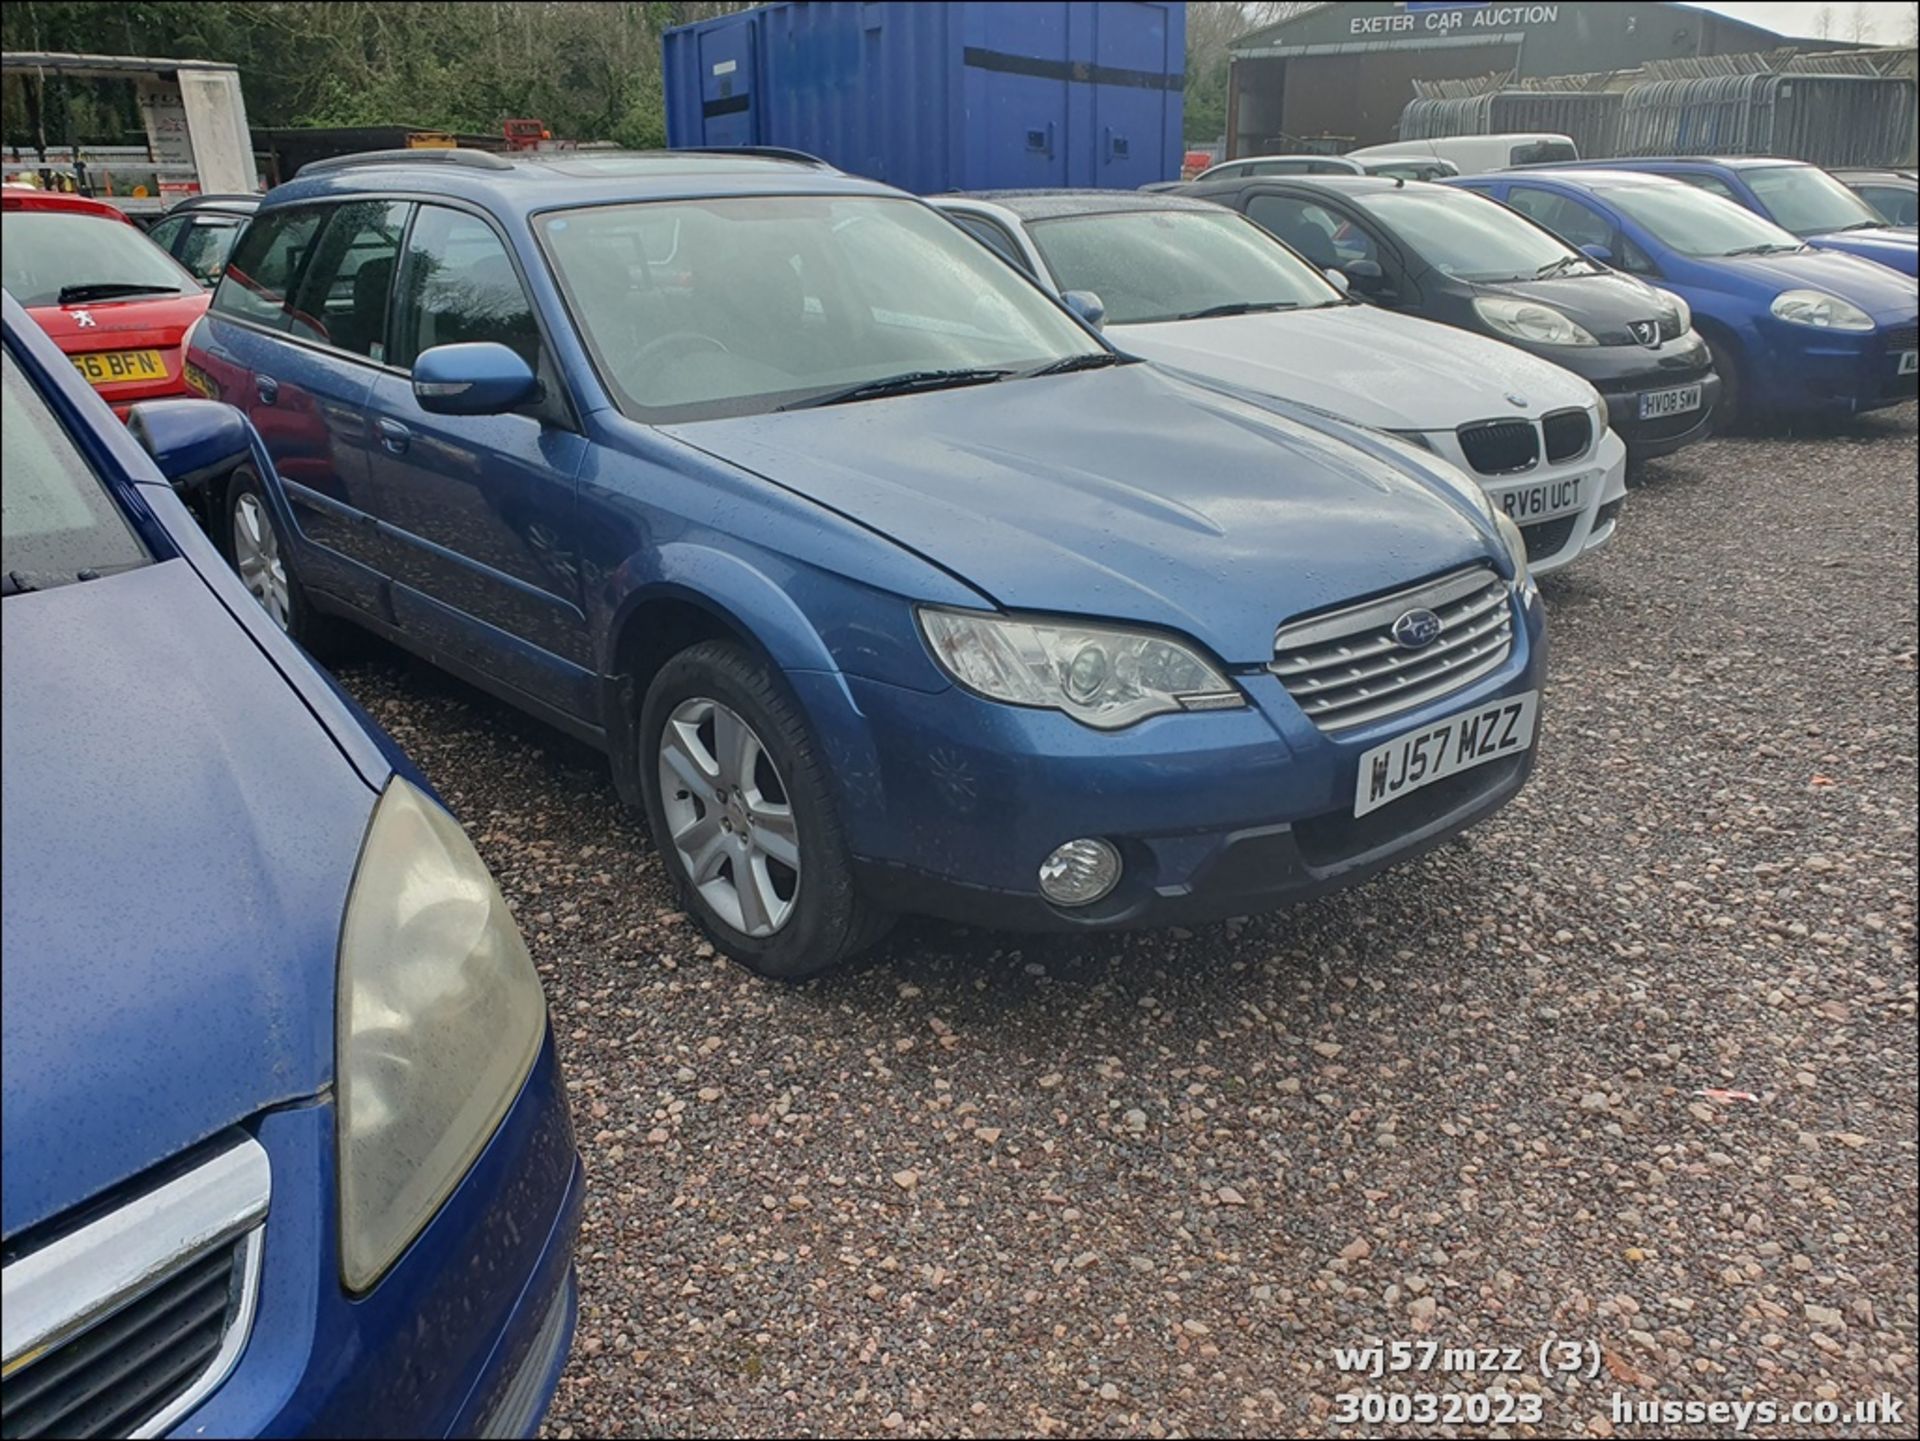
pixel 1202 290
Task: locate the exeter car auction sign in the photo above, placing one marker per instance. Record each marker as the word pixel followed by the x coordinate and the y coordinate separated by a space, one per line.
pixel 1440 19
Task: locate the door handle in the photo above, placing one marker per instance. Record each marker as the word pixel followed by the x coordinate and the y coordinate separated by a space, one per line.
pixel 267 388
pixel 393 436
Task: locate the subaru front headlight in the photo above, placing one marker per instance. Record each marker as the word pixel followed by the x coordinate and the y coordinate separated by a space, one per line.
pixel 1106 677
pixel 1530 321
pixel 440 1018
pixel 1819 309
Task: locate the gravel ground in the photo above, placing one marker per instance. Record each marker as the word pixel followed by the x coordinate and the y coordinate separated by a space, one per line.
pixel 982 1184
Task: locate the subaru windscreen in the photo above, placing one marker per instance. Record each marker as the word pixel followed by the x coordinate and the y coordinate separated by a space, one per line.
pixel 775 302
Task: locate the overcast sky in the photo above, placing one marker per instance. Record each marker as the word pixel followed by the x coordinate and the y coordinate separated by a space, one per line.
pixel 1886 21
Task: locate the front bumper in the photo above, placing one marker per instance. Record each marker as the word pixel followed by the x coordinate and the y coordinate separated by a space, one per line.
pixel 1215 813
pixel 465 1335
pixel 1810 370
pixel 1601 470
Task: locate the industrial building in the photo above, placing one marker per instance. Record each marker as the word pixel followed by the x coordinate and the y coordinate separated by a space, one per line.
pixel 1340 75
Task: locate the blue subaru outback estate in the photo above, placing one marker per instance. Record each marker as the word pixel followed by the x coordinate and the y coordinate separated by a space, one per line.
pixel 886 585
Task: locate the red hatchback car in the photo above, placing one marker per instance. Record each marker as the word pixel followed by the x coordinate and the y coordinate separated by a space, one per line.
pixel 116 303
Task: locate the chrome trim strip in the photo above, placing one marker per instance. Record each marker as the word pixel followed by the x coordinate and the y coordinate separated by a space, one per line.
pixel 1445 684
pixel 233 1340
pixel 1452 617
pixel 82 1278
pixel 1341 624
pixel 1358 675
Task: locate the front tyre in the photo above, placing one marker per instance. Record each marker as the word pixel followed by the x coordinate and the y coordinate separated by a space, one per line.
pixel 743 817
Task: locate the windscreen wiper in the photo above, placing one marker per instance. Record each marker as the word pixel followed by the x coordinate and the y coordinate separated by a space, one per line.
pixel 110 289
pixel 1239 307
pixel 1862 225
pixel 1554 267
pixel 1765 247
pixel 905 384
pixel 14 583
pixel 1095 361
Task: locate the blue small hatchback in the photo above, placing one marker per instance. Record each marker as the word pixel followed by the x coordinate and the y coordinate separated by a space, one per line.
pixel 287 1149
pixel 1794 195
pixel 1793 329
pixel 883 581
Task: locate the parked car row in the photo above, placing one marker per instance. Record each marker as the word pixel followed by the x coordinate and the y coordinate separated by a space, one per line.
pixel 1057 561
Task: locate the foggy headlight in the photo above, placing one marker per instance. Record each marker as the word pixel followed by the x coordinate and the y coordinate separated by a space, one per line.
pixel 1817 308
pixel 1530 321
pixel 440 1018
pixel 1102 676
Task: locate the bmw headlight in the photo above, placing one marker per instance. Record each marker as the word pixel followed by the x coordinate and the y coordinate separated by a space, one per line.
pixel 1102 676
pixel 1681 310
pixel 1530 321
pixel 1606 411
pixel 440 1018
pixel 1817 308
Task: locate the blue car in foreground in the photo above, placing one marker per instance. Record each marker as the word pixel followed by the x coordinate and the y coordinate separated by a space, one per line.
pixel 287 1150
pixel 1794 330
pixel 1794 195
pixel 885 584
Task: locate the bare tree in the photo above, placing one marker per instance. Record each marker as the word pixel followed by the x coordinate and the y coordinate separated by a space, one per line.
pixel 1860 23
pixel 1823 22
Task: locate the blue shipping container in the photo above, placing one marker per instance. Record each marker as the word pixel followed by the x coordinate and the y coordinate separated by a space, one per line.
pixel 941 96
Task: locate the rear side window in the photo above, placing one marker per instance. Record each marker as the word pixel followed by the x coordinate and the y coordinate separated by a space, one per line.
pixel 1542 152
pixel 265 266
pixel 1899 206
pixel 206 245
pixel 342 300
pixel 458 285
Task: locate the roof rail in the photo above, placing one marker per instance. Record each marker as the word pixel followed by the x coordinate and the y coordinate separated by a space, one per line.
pixel 426 155
pixel 763 152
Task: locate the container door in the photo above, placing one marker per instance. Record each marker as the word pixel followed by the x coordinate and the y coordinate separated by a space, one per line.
pixel 1132 94
pixel 727 115
pixel 1016 78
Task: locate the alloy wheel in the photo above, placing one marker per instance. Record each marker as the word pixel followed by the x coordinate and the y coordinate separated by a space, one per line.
pixel 728 812
pixel 256 555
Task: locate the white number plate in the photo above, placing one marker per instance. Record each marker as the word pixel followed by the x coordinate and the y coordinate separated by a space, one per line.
pixel 1460 742
pixel 1678 401
pixel 1544 501
pixel 1909 362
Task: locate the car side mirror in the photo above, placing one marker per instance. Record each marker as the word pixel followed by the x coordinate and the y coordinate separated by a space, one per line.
pixel 1363 270
pixel 1338 279
pixel 1597 252
pixel 1085 304
pixel 193 442
pixel 479 377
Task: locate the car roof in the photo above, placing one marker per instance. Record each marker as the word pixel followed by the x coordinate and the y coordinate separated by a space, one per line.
pixel 1049 204
pixel 1725 162
pixel 1598 177
pixel 32 197
pixel 526 183
pixel 246 203
pixel 1348 184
